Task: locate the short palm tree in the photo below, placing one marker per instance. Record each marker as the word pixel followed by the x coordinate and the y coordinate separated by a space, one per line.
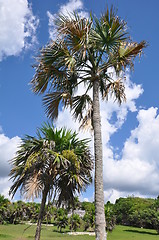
pixel 4 209
pixel 56 162
pixel 61 218
pixel 83 53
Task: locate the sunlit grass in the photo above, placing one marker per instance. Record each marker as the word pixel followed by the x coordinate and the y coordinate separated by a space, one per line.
pixel 25 232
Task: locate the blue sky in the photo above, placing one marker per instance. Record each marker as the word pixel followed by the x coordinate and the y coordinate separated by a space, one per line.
pixel 130 133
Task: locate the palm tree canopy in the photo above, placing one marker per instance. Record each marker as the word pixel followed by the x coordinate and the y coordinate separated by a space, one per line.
pixel 56 158
pixel 83 51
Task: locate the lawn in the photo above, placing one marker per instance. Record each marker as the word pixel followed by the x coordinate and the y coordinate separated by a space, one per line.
pixel 24 232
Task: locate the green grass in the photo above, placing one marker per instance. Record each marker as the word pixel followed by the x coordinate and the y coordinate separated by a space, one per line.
pixel 131 233
pixel 24 232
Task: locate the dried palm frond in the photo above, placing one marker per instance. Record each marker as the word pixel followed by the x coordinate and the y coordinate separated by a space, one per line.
pixel 87 121
pixel 33 188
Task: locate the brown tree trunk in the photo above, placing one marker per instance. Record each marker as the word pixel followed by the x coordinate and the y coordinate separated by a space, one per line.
pixel 41 213
pixel 100 224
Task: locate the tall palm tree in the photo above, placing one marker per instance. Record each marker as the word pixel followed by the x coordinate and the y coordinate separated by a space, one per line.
pixel 83 53
pixel 56 162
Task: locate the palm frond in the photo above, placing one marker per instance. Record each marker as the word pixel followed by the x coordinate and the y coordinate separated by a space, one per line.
pixel 126 55
pixel 108 31
pixel 80 104
pixel 33 187
pixel 87 121
pixel 115 89
pixel 50 66
pixel 53 100
pixel 74 30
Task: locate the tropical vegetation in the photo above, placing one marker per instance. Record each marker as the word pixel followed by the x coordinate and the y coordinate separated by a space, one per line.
pixel 92 53
pixel 130 211
pixel 54 164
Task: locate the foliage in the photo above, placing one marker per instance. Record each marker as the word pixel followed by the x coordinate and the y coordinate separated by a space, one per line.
pixel 84 50
pixel 4 213
pixel 137 212
pixel 110 217
pixel 142 213
pixel 61 219
pixel 89 217
pixel 74 222
pixel 56 160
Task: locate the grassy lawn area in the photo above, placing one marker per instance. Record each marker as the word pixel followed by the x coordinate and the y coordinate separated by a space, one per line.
pixel 18 232
pixel 131 233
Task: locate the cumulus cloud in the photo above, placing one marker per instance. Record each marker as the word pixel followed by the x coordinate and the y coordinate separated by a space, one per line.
pixel 137 172
pixel 5 186
pixel 17 27
pixel 8 148
pixel 66 9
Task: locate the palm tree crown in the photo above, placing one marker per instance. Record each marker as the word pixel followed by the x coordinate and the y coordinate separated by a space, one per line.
pixel 84 51
pixel 55 158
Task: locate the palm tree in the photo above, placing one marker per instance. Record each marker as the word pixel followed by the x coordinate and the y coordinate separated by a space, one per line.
pixel 4 209
pixel 61 218
pixel 56 162
pixel 74 222
pixel 83 53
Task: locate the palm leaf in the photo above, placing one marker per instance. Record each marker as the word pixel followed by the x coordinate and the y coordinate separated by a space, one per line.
pixel 126 54
pixel 53 100
pixel 80 104
pixel 74 30
pixel 115 89
pixel 108 31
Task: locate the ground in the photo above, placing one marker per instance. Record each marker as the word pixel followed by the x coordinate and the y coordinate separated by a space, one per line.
pixel 25 232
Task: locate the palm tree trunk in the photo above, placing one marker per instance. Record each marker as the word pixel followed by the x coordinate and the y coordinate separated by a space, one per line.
pixel 41 213
pixel 99 194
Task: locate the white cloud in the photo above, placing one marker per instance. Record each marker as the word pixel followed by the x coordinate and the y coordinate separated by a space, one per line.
pixel 17 27
pixel 112 195
pixel 66 9
pixel 138 170
pixel 70 6
pixel 111 108
pixel 5 186
pixel 8 148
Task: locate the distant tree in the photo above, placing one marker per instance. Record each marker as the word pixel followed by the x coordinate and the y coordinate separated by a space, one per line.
pixel 89 217
pixel 4 209
pixel 61 219
pixel 32 211
pixel 123 209
pixel 18 211
pixel 87 221
pixel 55 160
pixel 137 212
pixel 156 203
pixel 74 222
pixel 50 212
pixel 110 216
